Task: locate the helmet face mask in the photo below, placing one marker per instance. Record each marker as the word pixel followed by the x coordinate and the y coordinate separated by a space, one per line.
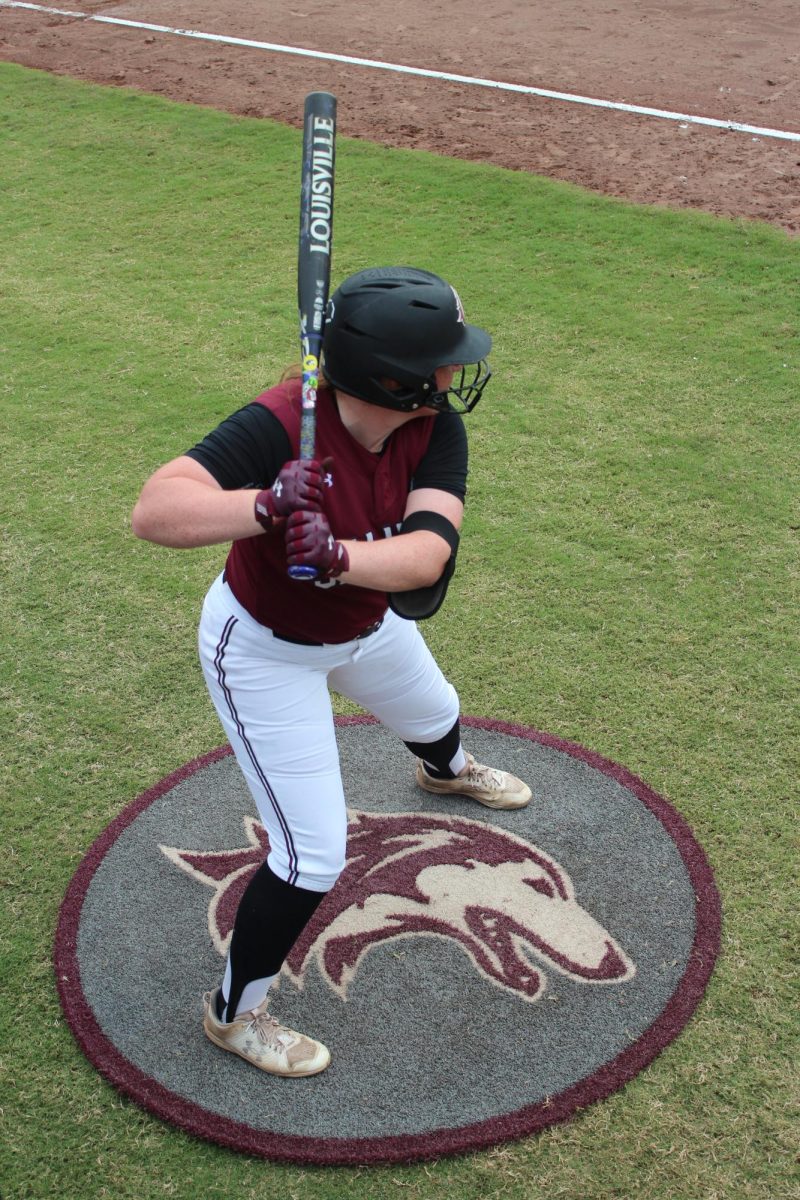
pixel 388 331
pixel 465 391
pixel 460 396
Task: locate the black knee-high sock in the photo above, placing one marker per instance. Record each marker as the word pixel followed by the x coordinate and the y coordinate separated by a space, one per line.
pixel 438 755
pixel 271 916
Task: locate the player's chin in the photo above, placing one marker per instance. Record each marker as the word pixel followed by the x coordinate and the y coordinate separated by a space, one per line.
pixel 424 410
pixel 415 414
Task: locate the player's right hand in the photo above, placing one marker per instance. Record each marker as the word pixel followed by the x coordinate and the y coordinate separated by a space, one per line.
pixel 298 487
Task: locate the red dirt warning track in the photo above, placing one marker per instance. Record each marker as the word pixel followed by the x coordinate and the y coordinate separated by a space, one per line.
pixel 731 62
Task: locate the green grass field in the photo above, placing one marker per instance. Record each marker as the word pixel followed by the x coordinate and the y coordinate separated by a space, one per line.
pixel 627 579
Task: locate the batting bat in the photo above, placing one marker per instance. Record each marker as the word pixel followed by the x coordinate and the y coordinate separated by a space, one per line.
pixel 314 260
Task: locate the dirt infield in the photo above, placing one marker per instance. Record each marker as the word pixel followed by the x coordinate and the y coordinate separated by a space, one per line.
pixel 731 62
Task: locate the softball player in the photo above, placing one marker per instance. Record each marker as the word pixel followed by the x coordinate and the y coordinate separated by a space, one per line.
pixel 377 514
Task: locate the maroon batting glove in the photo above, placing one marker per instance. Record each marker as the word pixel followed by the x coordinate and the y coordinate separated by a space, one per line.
pixel 298 485
pixel 310 543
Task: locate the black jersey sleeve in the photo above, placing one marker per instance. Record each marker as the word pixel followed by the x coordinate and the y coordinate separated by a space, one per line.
pixel 247 449
pixel 444 464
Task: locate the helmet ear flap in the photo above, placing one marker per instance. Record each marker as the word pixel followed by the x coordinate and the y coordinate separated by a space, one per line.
pixel 405 393
pixel 399 395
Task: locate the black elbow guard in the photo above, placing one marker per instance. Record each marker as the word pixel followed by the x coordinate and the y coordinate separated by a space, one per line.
pixel 421 603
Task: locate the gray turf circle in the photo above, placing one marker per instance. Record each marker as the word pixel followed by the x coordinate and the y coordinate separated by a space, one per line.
pixel 423 1041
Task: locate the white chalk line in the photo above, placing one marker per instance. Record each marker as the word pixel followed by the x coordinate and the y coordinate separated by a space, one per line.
pixel 546 93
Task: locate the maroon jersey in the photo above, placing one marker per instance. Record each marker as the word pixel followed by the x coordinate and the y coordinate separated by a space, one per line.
pixel 366 501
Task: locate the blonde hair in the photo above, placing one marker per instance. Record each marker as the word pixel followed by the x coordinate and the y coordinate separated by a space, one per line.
pixel 295 371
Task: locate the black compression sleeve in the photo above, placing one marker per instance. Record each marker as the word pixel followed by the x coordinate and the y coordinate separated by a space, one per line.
pixel 444 464
pixel 246 450
pixel 271 916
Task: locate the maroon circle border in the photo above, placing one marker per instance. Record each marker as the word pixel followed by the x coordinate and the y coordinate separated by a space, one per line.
pixel 192 1118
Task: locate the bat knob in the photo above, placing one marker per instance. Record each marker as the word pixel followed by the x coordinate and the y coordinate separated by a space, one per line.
pixel 301 572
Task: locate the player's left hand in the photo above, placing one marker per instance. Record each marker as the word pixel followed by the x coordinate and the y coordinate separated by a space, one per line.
pixel 310 543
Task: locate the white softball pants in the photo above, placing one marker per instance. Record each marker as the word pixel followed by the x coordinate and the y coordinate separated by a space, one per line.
pixel 273 701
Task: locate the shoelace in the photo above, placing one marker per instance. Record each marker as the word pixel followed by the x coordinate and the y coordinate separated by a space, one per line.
pixel 486 777
pixel 269 1031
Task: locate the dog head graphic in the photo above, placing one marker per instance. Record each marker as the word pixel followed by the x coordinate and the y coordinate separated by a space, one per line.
pixel 499 898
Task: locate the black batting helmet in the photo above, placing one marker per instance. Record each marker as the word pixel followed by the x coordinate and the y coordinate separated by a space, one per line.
pixel 388 330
